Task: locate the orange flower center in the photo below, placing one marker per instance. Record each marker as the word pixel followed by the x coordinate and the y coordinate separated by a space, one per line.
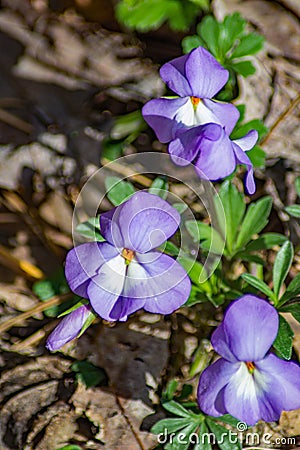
pixel 250 366
pixel 195 101
pixel 128 255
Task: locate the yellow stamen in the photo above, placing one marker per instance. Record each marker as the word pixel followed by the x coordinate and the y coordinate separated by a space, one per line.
pixel 195 101
pixel 128 255
pixel 250 366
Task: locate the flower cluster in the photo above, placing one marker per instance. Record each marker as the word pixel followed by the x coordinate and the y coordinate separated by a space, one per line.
pixel 197 127
pixel 248 381
pixel 127 271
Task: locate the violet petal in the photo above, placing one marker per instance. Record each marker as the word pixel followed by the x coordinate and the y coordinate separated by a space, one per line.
pixel 212 381
pixel 250 325
pixel 84 261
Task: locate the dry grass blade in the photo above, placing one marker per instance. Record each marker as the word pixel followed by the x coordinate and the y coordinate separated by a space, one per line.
pixel 284 114
pixel 16 122
pixel 36 309
pixel 127 172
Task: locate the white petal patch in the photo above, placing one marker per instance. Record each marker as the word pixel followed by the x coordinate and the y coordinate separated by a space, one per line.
pixel 138 283
pixel 186 114
pixel 204 115
pixel 248 386
pixel 190 116
pixel 112 275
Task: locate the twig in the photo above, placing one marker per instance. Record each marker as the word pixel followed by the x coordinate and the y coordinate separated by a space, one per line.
pixel 15 121
pixel 34 338
pixel 30 215
pixel 127 172
pixel 20 265
pixel 36 309
pixel 137 438
pixel 285 113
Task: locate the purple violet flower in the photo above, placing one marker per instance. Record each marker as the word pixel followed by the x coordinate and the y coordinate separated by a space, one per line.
pixel 69 328
pixel 126 273
pixel 248 381
pixel 196 78
pixel 213 153
pixel 196 126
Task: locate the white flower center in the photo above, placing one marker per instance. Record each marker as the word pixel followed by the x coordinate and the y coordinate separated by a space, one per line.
pixel 195 112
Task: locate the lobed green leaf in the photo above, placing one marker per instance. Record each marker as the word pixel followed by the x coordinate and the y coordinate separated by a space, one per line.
pixel 249 44
pixel 244 68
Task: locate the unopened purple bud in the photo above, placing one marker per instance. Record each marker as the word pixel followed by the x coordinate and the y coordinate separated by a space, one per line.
pixel 69 328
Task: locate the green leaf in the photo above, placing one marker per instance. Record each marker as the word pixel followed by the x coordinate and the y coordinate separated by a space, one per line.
pixel 234 207
pixel 159 187
pixel 77 305
pixel 180 207
pixel 177 409
pixel 245 256
pixel 196 296
pixel 209 30
pixel 242 111
pixel 297 186
pixel 118 190
pixel 244 68
pixel 209 238
pixel 203 444
pixel 203 4
pixel 255 220
pixel 241 129
pixel 90 319
pixel 90 229
pixel 169 425
pixel 293 210
pixel 258 284
pixel 170 390
pixel 70 447
pixel 180 15
pixel 201 358
pixel 292 290
pixel 293 308
pixel 127 124
pixel 232 28
pixel 257 157
pixel 55 285
pixel 222 436
pixel 190 42
pixel 169 248
pixel 111 149
pixel 282 264
pixel 266 241
pixel 284 341
pixel 182 440
pixel 249 44
pixel 227 418
pixel 143 15
pixel 196 272
pixel 186 391
pixel 89 374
